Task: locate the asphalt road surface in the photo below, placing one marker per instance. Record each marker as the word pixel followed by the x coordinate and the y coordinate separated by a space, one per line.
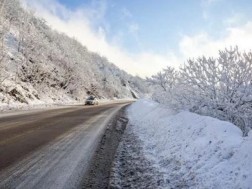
pixel 52 148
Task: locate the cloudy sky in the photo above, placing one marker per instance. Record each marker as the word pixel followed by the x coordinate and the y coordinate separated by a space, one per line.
pixel 144 36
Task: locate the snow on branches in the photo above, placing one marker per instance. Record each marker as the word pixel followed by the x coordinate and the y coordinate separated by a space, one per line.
pixel 220 87
pixel 51 65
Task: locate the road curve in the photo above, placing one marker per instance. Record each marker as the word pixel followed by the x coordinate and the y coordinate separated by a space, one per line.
pixel 51 149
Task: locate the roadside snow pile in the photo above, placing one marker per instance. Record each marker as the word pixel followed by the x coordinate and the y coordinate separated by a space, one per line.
pixel 193 151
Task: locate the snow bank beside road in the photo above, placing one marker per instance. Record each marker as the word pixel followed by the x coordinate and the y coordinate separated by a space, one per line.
pixel 193 151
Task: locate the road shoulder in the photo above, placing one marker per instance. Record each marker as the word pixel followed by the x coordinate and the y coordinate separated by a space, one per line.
pixel 98 174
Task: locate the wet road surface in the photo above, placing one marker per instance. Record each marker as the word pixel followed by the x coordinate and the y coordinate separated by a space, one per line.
pixel 50 149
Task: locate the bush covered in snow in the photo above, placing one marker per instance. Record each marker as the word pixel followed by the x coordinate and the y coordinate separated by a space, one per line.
pixel 46 66
pixel 220 87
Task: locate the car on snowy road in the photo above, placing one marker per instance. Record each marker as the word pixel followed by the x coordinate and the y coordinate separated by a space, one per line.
pixel 91 100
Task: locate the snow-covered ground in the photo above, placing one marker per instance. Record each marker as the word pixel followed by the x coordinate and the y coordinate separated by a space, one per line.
pixel 192 151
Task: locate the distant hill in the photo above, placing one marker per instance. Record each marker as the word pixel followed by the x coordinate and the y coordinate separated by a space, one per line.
pixel 41 66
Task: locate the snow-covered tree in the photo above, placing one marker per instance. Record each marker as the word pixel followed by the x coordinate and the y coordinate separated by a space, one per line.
pixel 165 79
pixel 220 87
pixel 164 83
pixel 52 66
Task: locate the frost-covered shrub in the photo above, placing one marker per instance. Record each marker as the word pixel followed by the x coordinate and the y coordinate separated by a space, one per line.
pixel 218 87
pixel 164 84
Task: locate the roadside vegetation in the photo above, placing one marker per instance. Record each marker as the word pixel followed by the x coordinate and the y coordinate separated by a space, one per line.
pixel 41 66
pixel 218 87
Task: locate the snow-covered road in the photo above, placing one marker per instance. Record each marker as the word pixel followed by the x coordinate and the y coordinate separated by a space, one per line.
pixel 50 149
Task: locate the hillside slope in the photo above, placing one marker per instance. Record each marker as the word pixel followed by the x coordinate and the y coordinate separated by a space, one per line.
pixel 41 66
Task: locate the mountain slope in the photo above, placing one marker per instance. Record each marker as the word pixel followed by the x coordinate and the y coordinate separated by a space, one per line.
pixel 39 65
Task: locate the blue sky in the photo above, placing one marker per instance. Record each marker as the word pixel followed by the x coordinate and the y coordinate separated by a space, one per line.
pixel 159 24
pixel 152 33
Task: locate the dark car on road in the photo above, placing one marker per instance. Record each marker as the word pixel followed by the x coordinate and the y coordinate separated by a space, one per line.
pixel 91 100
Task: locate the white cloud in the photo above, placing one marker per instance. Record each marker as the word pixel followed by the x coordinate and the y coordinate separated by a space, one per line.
pixel 203 44
pixel 77 24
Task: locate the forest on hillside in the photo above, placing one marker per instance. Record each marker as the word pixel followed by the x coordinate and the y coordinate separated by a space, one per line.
pixel 40 65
